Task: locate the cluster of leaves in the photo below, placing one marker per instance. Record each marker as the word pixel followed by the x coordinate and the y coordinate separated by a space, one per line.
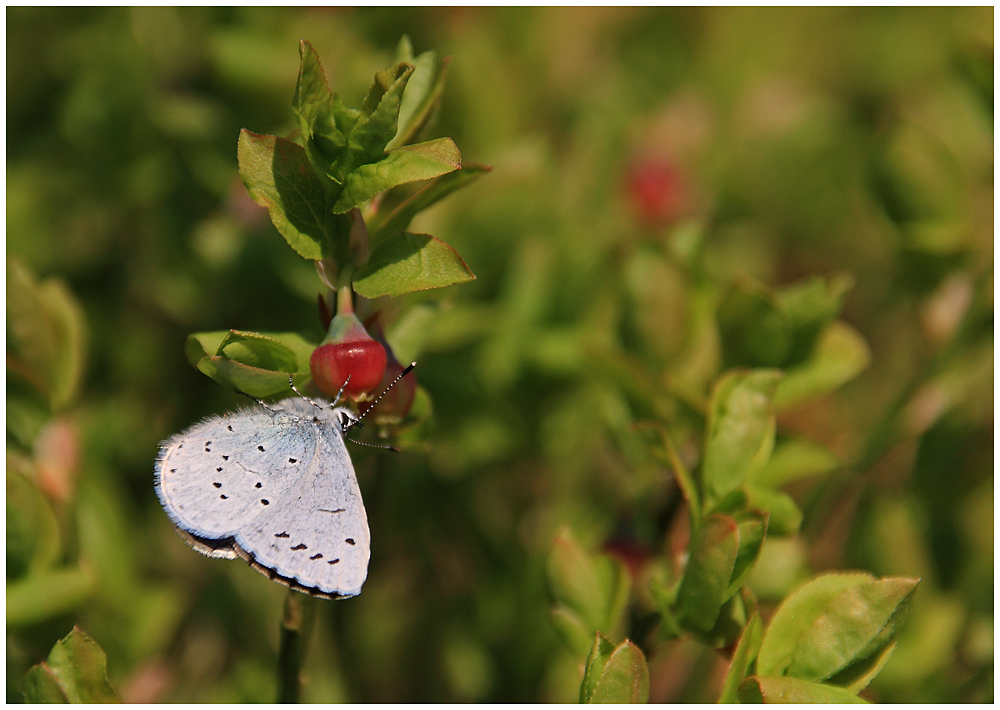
pixel 828 639
pixel 315 189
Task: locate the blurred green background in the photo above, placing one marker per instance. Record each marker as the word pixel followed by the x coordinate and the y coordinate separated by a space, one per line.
pixel 644 162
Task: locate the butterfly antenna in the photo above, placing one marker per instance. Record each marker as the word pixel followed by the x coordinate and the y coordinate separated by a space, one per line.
pixel 296 391
pixel 374 446
pixel 342 388
pixel 258 401
pixel 406 371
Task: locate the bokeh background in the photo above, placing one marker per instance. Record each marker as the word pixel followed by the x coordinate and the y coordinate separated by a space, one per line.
pixel 644 161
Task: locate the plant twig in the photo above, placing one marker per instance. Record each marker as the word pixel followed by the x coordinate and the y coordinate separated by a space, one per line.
pixel 296 628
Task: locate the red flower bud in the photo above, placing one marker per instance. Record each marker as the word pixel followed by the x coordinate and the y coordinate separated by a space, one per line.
pixel 347 350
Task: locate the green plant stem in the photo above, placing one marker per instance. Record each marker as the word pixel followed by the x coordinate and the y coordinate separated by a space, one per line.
pixel 296 628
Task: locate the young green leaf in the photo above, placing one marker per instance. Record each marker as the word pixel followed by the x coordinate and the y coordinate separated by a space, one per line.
pixel 810 305
pixel 75 672
pixel 760 327
pixel 835 623
pixel 32 530
pixel 795 459
pixel 407 164
pixel 685 481
pixel 854 628
pixel 48 333
pixel 422 96
pixel 840 355
pixel 752 527
pixel 388 221
pixel 257 350
pixel 368 138
pixel 257 364
pixel 594 589
pixel 793 690
pixel 410 262
pixel 753 329
pixel 784 516
pixel 857 676
pixel 575 632
pixel 624 678
pixel 600 654
pixel 278 175
pixel 703 588
pixel 743 657
pixel 792 620
pixel 740 429
pixel 312 102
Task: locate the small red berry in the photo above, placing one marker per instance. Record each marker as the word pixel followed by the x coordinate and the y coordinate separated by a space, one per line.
pixel 657 191
pixel 347 350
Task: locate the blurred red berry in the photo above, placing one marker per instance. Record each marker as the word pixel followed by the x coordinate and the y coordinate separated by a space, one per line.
pixel 656 189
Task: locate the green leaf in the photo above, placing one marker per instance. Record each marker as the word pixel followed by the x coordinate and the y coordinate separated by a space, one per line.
pixel 760 327
pixel 28 408
pixel 32 531
pixel 784 516
pixel 410 262
pixel 857 676
pixel 685 481
pixel 753 329
pixel 387 222
pixel 75 672
pixel 422 96
pixel 594 589
pixel 793 690
pixel 792 620
pixel 795 459
pixel 703 588
pixel 752 527
pixel 834 624
pixel 257 364
pixel 312 104
pixel 665 596
pixel 257 350
pixel 47 332
pixel 624 678
pixel 46 593
pixel 841 354
pixel 573 630
pixel 407 164
pixel 743 657
pixel 853 629
pixel 810 306
pixel 600 654
pixel 368 138
pixel 278 175
pixel 740 429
